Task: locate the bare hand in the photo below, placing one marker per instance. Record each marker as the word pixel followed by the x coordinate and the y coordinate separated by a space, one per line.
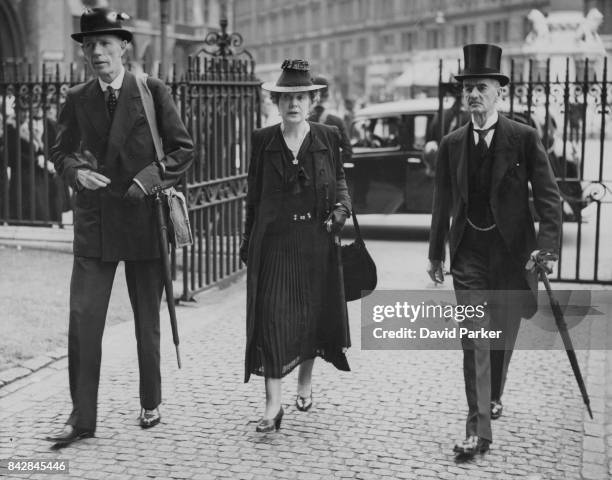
pixel 91 180
pixel 435 269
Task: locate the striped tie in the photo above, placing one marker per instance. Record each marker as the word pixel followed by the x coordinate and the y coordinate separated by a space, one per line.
pixel 111 101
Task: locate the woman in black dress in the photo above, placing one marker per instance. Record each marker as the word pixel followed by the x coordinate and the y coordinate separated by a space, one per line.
pixel 297 202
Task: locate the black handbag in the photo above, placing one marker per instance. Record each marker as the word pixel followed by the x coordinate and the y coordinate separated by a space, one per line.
pixel 359 270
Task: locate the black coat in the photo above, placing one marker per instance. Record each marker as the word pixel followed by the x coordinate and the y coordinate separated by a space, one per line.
pixel 265 195
pixel 106 225
pixel 519 159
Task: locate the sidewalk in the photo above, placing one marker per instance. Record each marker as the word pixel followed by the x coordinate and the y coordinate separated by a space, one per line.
pixel 396 415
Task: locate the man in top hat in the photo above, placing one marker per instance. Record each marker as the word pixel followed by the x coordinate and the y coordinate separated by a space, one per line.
pixel 105 151
pixel 482 182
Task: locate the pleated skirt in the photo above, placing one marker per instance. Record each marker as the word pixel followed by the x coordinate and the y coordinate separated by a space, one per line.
pixel 290 318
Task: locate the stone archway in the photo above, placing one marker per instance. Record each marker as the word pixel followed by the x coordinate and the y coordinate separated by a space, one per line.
pixel 12 39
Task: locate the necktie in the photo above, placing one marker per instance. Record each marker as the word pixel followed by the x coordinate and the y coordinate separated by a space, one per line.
pixel 482 133
pixel 111 101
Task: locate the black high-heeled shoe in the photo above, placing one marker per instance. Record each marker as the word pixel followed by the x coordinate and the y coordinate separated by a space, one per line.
pixel 303 404
pixel 266 425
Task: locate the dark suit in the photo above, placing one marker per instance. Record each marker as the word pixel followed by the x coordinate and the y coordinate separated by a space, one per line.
pixel 494 260
pixel 109 228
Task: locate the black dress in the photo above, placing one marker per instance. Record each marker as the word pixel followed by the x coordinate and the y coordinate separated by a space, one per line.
pixel 291 323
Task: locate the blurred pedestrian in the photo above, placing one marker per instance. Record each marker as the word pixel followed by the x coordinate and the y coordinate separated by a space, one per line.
pixel 297 202
pixel 483 173
pixel 321 113
pixel 105 151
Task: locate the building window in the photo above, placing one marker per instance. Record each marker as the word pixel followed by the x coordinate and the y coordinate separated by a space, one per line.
pixel 331 51
pixel 408 41
pixel 274 55
pixel 301 52
pixel 142 9
pixel 315 51
pixel 497 31
pixel 315 16
pixel 363 46
pixel 387 9
pixel 387 43
pixel 346 10
pixel 464 34
pixel 434 38
pixel 346 49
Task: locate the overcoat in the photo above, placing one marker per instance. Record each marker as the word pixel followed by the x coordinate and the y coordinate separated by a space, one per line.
pixel 264 197
pixel 106 225
pixel 519 160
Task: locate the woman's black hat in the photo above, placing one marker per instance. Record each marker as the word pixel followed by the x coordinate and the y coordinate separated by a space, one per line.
pixel 102 21
pixel 482 60
pixel 295 77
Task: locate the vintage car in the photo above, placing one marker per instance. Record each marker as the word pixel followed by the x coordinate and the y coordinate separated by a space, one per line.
pixel 394 150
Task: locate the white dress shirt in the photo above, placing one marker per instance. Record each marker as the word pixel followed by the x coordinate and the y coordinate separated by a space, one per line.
pixel 489 135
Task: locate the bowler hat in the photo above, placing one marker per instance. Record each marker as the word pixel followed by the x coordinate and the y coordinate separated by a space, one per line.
pixel 482 60
pixel 101 21
pixel 295 77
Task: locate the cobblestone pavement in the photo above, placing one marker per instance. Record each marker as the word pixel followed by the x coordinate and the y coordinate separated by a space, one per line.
pixel 395 416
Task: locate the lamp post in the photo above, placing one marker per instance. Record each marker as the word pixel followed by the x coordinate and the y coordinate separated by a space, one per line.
pixel 164 10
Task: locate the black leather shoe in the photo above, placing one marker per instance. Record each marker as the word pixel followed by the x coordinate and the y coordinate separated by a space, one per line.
pixel 149 418
pixel 266 425
pixel 68 435
pixel 471 446
pixel 303 404
pixel 496 409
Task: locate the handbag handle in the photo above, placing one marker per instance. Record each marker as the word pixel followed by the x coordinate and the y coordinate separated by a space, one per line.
pixel 356 225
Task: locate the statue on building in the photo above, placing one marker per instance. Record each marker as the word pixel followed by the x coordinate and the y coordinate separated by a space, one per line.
pixel 586 32
pixel 539 28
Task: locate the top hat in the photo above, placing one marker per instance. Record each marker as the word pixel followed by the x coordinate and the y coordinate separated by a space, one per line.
pixel 101 21
pixel 482 60
pixel 295 77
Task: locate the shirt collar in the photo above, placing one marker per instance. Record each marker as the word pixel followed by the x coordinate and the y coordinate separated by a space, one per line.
pixel 489 123
pixel 116 83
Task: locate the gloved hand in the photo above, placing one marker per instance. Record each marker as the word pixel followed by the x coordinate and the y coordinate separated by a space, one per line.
pixel 435 269
pixel 134 193
pixel 336 219
pixel 549 260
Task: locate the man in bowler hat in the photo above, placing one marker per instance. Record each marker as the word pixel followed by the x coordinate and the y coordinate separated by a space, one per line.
pixel 105 151
pixel 482 182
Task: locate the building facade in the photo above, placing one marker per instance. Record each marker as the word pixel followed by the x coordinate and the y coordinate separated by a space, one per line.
pixel 381 49
pixel 37 32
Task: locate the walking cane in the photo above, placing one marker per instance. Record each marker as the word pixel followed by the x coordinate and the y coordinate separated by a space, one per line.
pixel 162 228
pixel 562 327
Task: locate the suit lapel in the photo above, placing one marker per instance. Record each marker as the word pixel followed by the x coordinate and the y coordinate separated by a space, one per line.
pixel 502 151
pixel 128 105
pixel 460 145
pixel 95 110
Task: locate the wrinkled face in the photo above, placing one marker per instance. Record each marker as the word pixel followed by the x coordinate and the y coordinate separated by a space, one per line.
pixel 481 95
pixel 103 53
pixel 294 106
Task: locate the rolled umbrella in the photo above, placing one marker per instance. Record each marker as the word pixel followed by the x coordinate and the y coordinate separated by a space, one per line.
pixel 562 327
pixel 162 228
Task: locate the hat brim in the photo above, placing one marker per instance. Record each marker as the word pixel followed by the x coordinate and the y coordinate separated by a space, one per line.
pixel 272 87
pixel 503 79
pixel 119 32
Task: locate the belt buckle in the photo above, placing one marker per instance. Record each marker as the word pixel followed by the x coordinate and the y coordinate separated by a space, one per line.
pixel 301 217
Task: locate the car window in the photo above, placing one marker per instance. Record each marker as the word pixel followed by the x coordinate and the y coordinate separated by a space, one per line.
pixel 376 132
